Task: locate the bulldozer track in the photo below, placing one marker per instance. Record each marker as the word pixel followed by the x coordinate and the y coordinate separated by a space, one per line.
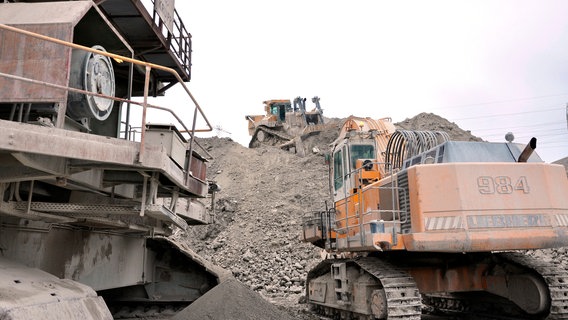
pixel 280 135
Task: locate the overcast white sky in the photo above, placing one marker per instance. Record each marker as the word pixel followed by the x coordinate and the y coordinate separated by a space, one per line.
pixel 489 66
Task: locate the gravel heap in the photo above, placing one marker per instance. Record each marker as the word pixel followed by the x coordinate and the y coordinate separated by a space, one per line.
pixel 430 121
pixel 238 302
pixel 265 193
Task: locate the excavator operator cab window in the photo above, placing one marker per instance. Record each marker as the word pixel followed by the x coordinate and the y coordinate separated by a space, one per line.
pixel 338 170
pixel 361 151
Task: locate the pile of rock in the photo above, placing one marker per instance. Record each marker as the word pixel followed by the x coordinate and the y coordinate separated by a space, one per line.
pixel 231 300
pixel 265 193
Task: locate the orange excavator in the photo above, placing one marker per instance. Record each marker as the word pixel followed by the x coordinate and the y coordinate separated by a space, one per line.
pixel 421 224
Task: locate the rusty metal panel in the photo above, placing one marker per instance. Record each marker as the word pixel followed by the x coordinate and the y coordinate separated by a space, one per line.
pixel 29 57
pixel 44 12
pixel 53 142
pixel 35 59
pixel 198 168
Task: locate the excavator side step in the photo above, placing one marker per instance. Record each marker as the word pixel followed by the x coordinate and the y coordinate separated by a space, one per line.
pixel 339 274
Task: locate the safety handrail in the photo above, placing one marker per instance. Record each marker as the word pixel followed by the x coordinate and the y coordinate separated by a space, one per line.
pixel 181 38
pixel 358 214
pixel 148 66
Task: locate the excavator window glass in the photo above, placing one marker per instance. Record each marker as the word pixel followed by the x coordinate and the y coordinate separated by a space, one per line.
pixel 361 151
pixel 338 169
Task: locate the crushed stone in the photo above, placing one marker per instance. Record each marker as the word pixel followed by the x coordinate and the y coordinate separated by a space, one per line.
pixel 231 300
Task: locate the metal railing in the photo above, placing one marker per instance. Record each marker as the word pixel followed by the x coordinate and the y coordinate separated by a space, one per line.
pixel 145 105
pixel 362 218
pixel 178 39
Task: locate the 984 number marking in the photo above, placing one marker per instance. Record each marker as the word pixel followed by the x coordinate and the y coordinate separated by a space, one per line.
pixel 502 185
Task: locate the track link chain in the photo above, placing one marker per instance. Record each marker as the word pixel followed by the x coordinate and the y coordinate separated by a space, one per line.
pixel 403 298
pixel 280 135
pixel 555 276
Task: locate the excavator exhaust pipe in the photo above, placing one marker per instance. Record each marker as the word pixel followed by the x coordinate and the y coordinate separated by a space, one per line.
pixel 529 149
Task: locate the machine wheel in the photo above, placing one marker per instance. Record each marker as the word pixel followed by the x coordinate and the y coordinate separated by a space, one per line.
pixel 260 136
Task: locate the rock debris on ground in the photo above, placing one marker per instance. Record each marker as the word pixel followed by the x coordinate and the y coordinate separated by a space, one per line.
pixel 264 194
pixel 231 300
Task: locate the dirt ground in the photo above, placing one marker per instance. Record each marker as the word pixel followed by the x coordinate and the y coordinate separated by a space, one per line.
pixel 265 193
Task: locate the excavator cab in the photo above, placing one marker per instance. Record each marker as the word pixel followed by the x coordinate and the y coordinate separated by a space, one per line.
pixel 348 159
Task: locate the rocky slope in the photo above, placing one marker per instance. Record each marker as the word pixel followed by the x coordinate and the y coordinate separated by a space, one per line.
pixel 265 192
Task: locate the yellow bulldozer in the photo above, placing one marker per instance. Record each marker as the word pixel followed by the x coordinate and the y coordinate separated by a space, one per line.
pixel 285 124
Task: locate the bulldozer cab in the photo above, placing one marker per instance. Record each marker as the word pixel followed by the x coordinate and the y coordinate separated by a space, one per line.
pixel 278 108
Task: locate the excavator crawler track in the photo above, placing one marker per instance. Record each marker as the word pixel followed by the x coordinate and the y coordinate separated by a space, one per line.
pixel 403 298
pixel 555 277
pixel 403 301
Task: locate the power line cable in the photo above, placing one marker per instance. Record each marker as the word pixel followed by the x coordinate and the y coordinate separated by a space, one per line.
pixel 527 132
pixel 500 101
pixel 532 132
pixel 508 114
pixel 516 127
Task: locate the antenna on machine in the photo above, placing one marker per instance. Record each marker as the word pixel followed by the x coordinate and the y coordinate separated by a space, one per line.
pixel 220 129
